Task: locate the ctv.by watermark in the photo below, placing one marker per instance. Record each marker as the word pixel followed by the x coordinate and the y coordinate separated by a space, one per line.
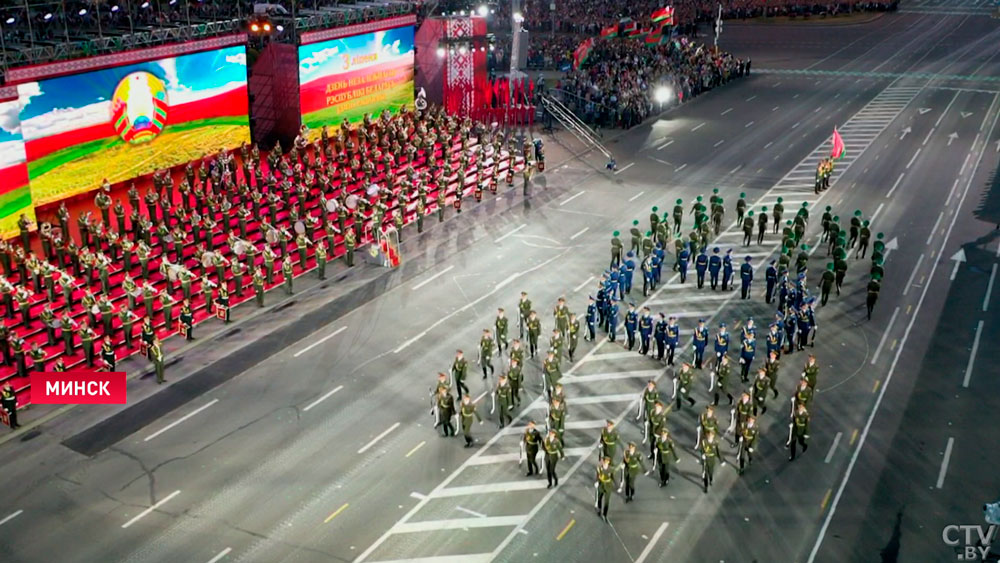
pixel 972 542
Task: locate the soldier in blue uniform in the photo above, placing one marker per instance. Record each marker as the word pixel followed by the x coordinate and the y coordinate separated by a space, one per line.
pixel 747 352
pixel 648 282
pixel 746 276
pixel 657 263
pixel 727 269
pixel 771 277
pixel 700 265
pixel 660 334
pixel 645 330
pixel 602 310
pixel 591 319
pixel 721 344
pixel 613 319
pixel 791 322
pixel 714 265
pixel 673 339
pixel 700 342
pixel 682 263
pixel 804 327
pixel 631 324
pixel 626 272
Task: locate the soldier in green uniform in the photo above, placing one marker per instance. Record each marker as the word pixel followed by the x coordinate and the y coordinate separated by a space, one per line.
pixel 349 244
pixel 107 315
pixel 707 423
pixel 320 260
pixel 127 318
pixel 553 453
pixel 811 371
pixel 631 466
pixel 798 431
pixel 108 356
pixel 864 236
pixel 222 304
pixel 574 335
pixel 48 318
pixel 466 412
pixel 446 410
pixel 720 380
pixel 441 203
pixel 287 274
pixel 37 356
pixel 771 367
pixel 678 215
pixel 636 236
pixel 148 294
pixel 604 484
pixel 609 440
pixel 187 320
pixel 459 369
pixel 258 287
pixel 803 394
pixel 556 344
pixel 239 270
pixel 664 452
pixel 747 443
pixel 776 213
pixel 516 378
pixel 8 402
pixel 748 229
pixel 87 336
pixel 523 310
pixel 534 325
pixel 561 314
pixel 557 418
pixel 709 451
pixel 500 324
pixel 148 334
pixel 616 250
pixel 654 218
pixel 486 345
pixel 682 385
pixel 551 373
pixel 167 305
pixel 760 385
pixel 530 441
pixel 826 283
pixel 873 288
pixel 156 356
pixel 67 327
pixel 421 211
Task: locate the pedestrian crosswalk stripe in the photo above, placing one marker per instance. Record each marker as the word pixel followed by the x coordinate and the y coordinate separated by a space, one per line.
pixel 609 356
pixel 513 458
pixel 488 488
pixel 459 524
pixel 894 75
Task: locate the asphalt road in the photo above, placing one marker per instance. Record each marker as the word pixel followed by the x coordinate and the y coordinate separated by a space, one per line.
pixel 323 449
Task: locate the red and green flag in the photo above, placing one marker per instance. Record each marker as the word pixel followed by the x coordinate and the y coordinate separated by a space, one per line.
pixel 610 31
pixel 838 146
pixel 664 14
pixel 581 53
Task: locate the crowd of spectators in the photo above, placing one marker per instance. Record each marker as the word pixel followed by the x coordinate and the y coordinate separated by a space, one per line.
pixel 617 85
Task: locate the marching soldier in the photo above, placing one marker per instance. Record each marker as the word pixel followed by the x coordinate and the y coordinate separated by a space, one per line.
pixel 707 423
pixel 682 385
pixel 873 288
pixel 561 314
pixel 258 287
pixel 459 369
pixel 748 229
pixel 700 342
pixel 709 450
pixel 503 396
pixel 486 351
pixel 616 249
pixel 603 484
pixel 530 442
pixel 553 453
pixel 446 410
pixel 771 367
pixel 760 386
pixel 747 443
pixel 287 274
pixel 467 411
pixel 648 398
pixel 720 380
pixel 557 417
pixel 811 371
pixel 664 452
pixel 516 377
pixel 656 420
pixel 609 440
pixel 523 310
pixel 798 431
pixel 574 335
pixel 551 374
pixel 803 394
pixel 631 466
pixel 501 331
pixel 534 325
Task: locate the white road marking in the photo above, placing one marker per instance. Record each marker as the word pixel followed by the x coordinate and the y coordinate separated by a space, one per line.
pixel 323 398
pixel 896 185
pixel 610 356
pixel 727 111
pixel 733 171
pixel 665 145
pixel 452 267
pixel 327 337
pixel 221 554
pixel 751 98
pixel 928 137
pixel 487 488
pixel 517 229
pixel 581 286
pixel 578 233
pixel 720 143
pixel 626 167
pixel 649 546
pixel 748 125
pixel 775 108
pixel 972 356
pixel 833 447
pixel 697 127
pixel 797 123
pixel 885 335
pixel 945 462
pixel 418 496
pixel 470 512
pixel 377 438
pixel 572 197
pixel 459 524
pixel 915 155
pixel 878 401
pixel 817 109
pixel 180 420
pixel 10 517
pixel 150 509
pixel 954 187
pixel 989 289
pixel 681 167
pixel 941 117
pixel 877 210
pixel 930 237
pixel 913 274
pixel 636 196
pixel 768 144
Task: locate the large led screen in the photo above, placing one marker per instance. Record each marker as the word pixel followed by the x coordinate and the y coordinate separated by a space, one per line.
pixel 15 198
pixel 352 76
pixel 123 122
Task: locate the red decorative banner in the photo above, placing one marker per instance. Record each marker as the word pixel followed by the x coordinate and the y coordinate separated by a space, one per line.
pixel 78 387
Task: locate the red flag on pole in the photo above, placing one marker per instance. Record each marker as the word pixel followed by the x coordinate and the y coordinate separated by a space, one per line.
pixel 838 146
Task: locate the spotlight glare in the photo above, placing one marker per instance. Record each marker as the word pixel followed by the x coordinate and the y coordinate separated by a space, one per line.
pixel 144 5
pixel 280 28
pixel 82 12
pixel 114 8
pixel 441 51
pixel 267 27
pixel 47 16
pixel 518 17
pixel 254 27
pixel 462 50
pixel 483 10
pixel 662 94
pixel 10 21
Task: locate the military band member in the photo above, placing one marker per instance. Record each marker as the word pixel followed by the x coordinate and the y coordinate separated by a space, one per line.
pixel 187 320
pixel 288 274
pixel 37 356
pixel 108 354
pixel 167 305
pixel 530 442
pixel 467 411
pixel 156 355
pixel 67 326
